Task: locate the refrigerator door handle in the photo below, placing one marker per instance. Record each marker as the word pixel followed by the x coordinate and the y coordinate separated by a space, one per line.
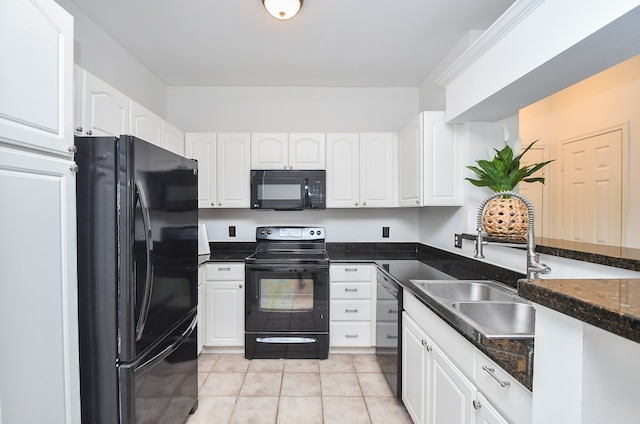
pixel 148 238
pixel 169 349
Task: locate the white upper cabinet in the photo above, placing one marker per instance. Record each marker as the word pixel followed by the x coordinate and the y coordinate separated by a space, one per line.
pixel 343 166
pixel 145 124
pixel 103 110
pixel 307 151
pixel 377 170
pixel 202 147
pixel 232 168
pixel 360 170
pixel 223 168
pixel 410 164
pixel 287 151
pixel 269 151
pixel 36 80
pixel 172 138
pixel 429 162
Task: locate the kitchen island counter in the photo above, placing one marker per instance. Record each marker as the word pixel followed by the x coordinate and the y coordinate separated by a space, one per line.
pixel 610 304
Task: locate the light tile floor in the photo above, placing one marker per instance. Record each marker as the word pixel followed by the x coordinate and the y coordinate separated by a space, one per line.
pixel 341 389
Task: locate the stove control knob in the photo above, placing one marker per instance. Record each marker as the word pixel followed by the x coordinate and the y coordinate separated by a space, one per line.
pixel 318 232
pixel 268 231
pixel 312 232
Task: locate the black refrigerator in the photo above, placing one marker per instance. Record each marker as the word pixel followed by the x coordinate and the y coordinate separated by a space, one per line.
pixel 137 223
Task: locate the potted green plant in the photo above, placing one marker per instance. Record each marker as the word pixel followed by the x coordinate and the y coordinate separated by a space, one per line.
pixel 505 216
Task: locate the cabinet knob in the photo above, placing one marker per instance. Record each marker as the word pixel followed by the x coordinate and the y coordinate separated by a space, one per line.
pixel 79 130
pixel 364 203
pixel 284 167
pixel 417 202
pixel 89 132
pixel 240 286
pixel 426 345
pixel 220 204
pixel 476 404
pixel 213 203
pixel 356 203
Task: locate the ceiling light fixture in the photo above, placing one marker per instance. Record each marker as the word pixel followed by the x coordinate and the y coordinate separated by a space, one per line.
pixel 282 9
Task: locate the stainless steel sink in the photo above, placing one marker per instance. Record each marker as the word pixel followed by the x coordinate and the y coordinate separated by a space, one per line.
pixel 482 307
pixel 500 319
pixel 466 291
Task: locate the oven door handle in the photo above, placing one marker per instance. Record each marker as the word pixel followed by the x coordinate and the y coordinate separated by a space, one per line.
pixel 287 340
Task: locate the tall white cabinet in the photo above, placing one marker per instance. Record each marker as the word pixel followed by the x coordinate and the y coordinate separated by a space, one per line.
pixel 38 282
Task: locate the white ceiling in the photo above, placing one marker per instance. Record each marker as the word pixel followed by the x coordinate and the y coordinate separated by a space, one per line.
pixel 330 43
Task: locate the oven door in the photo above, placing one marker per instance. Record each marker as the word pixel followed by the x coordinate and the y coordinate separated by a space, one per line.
pixel 287 299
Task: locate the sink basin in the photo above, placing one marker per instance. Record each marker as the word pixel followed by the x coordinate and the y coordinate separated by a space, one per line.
pixel 500 319
pixel 465 291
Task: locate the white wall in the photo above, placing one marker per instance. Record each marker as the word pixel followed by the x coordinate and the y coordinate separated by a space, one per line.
pixel 101 55
pixel 324 109
pixel 342 225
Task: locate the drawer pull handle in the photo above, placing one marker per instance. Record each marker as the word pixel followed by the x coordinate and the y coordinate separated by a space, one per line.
pixel 389 336
pixel 226 268
pixel 351 336
pixel 351 290
pixel 351 311
pixel 492 372
pixel 393 311
pixel 350 269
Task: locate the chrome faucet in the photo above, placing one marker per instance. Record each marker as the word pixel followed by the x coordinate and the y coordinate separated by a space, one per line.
pixel 534 267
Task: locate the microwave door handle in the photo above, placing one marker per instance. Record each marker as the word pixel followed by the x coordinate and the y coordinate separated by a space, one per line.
pixel 148 285
pixel 306 192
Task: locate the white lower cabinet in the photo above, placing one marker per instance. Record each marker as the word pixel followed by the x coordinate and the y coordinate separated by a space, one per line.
pixel 351 305
pixel 201 308
pixel 445 379
pixel 224 300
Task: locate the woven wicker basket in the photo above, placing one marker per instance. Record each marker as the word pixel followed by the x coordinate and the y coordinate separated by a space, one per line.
pixel 506 218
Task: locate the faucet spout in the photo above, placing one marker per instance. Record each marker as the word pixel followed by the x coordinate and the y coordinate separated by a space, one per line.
pixel 534 267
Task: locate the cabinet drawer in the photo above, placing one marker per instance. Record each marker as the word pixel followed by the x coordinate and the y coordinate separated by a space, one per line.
pixel 350 290
pixel 387 310
pixel 224 271
pixel 514 400
pixel 387 334
pixel 350 310
pixel 351 272
pixel 350 334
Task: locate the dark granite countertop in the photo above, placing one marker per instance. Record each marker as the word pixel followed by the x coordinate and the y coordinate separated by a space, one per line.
pixel 610 304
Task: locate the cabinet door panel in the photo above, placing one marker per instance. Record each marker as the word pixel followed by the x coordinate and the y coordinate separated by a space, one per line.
pixel 410 164
pixel 443 177
pixel 377 170
pixel 452 393
pixel 145 124
pixel 173 138
pixel 202 147
pixel 232 167
pixel 414 370
pixel 36 82
pixel 269 151
pixel 105 109
pixel 224 313
pixel 343 177
pixel 307 151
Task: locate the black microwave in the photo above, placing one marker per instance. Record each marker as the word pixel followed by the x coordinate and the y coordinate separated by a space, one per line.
pixel 288 190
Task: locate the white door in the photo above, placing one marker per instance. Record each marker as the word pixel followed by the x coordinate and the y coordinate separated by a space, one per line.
pixel 451 394
pixel 225 313
pixel 105 110
pixel 415 369
pixel 202 147
pixel 377 170
pixel 592 189
pixel 232 167
pixel 173 138
pixel 269 151
pixel 145 124
pixel 410 164
pixel 343 176
pixel 307 151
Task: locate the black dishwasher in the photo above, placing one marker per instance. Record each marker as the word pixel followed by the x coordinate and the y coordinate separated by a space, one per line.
pixel 389 330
